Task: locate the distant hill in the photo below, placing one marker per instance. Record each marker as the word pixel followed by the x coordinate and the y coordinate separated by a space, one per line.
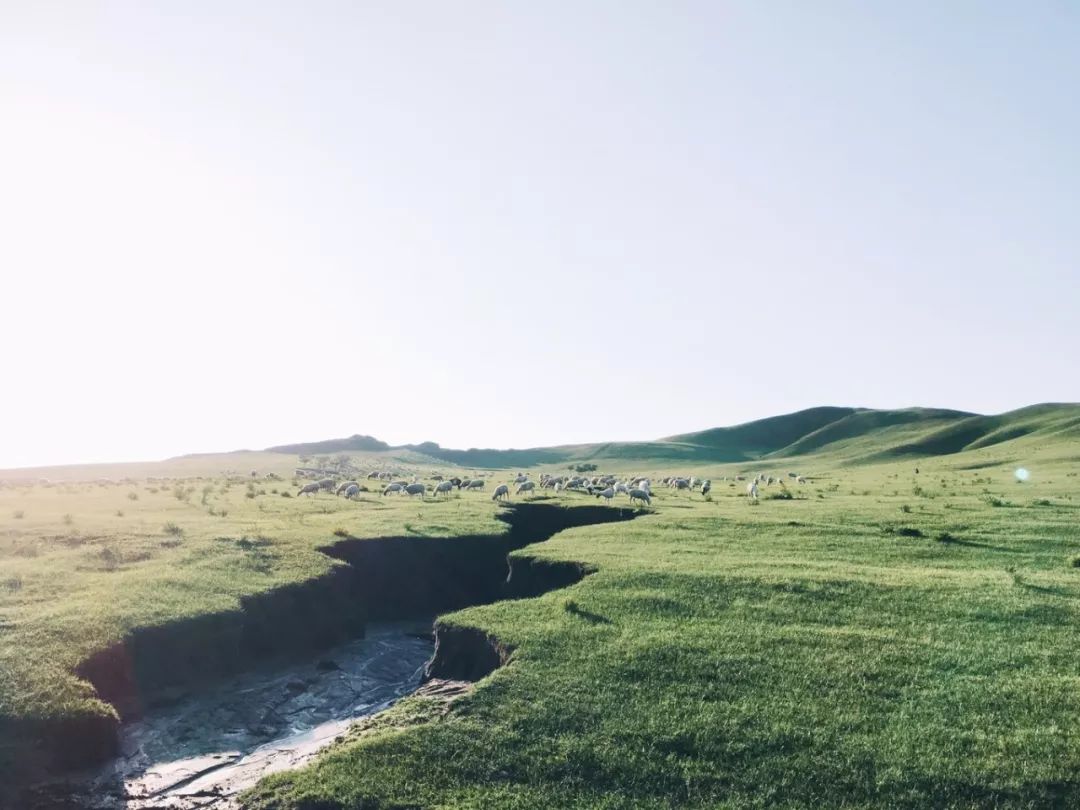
pixel 354 444
pixel 826 436
pixel 850 434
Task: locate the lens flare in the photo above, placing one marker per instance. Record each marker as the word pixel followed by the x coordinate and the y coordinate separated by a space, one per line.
pixel 1022 474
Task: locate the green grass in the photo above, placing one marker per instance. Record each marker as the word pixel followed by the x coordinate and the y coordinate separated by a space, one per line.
pixel 803 653
pixel 880 639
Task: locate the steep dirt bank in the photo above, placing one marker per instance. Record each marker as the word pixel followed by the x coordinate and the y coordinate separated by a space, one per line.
pixel 386 578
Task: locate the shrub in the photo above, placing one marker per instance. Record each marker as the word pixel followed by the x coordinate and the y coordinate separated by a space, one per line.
pixel 945 537
pixel 1075 562
pixel 1040 502
pixel 119 512
pixel 13 583
pixel 340 532
pixel 173 529
pixel 905 509
pixel 994 500
pixel 68 519
pixel 19 514
pixel 109 558
pixel 286 494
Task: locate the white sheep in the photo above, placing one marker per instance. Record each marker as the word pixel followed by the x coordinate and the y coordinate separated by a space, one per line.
pixel 640 495
pixel 525 486
pixel 415 489
pixel 706 485
pixel 606 494
pixel 352 491
pixel 475 484
pixel 393 488
pixel 501 493
pixel 309 489
pixel 751 490
pixel 444 488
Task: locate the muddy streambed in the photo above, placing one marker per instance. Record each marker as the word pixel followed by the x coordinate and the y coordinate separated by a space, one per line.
pixel 200 750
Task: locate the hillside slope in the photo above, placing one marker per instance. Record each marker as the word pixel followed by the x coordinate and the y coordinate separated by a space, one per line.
pixel 843 434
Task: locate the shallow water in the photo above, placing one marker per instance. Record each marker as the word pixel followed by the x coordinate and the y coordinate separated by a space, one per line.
pixel 201 750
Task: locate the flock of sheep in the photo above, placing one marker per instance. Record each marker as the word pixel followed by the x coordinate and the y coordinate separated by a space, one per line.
pixel 637 488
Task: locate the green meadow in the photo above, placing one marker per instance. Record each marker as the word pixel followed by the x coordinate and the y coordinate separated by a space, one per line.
pixel 875 637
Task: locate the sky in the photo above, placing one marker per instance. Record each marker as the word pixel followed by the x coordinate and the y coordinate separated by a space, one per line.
pixel 230 225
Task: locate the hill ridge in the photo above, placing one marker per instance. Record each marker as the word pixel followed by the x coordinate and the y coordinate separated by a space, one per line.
pixel 860 434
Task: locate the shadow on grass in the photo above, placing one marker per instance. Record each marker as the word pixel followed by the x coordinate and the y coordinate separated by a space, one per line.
pixel 958 541
pixel 592 618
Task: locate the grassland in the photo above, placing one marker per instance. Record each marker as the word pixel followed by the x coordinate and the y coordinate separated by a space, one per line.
pixel 880 638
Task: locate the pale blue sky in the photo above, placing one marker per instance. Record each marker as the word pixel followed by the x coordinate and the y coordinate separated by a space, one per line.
pixel 509 224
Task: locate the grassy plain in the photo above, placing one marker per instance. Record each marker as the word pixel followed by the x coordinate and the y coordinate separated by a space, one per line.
pixel 880 638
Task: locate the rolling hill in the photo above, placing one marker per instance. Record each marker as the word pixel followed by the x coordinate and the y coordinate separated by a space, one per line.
pixel 848 434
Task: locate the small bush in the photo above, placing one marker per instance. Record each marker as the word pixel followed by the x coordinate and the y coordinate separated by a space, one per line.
pixel 994 500
pixel 68 519
pixel 340 532
pixel 119 512
pixel 133 496
pixel 1040 502
pixel 1075 562
pixel 13 583
pixel 109 558
pixel 945 537
pixel 780 495
pixel 286 494
pixel 19 514
pixel 173 529
pixel 905 509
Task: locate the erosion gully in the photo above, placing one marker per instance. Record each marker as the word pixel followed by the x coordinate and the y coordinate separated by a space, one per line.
pixel 209 706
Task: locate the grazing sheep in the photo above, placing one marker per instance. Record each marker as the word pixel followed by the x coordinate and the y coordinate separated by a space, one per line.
pixel 606 494
pixel 415 489
pixel 501 493
pixel 475 484
pixel 640 495
pixel 393 488
pixel 620 487
pixel 751 490
pixel 327 484
pixel 352 491
pixel 309 489
pixel 444 488
pixel 706 485
pixel 464 483
pixel 344 486
pixel 371 475
pixel 521 478
pixel 525 486
pixel 681 483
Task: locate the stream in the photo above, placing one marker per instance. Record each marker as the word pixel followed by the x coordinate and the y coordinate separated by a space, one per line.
pixel 201 750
